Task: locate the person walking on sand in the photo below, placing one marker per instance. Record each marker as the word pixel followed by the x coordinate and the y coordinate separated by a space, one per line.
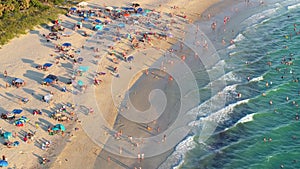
pixel 5 73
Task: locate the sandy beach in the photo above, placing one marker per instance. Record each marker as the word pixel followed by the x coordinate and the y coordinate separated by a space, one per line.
pixel 75 148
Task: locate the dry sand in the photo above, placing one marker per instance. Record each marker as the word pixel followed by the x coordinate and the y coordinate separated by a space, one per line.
pixel 19 58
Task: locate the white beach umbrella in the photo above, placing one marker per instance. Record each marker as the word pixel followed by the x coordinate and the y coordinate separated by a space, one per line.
pixel 82 4
pixel 109 8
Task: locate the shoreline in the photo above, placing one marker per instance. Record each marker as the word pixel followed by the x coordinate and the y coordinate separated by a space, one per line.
pixel 65 145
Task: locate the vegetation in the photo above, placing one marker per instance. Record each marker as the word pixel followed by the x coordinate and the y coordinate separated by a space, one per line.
pixel 18 16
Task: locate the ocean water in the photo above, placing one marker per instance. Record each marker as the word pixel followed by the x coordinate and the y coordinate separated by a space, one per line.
pixel 264 34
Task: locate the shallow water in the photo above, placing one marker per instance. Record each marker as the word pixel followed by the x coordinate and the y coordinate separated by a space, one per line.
pixel 263 35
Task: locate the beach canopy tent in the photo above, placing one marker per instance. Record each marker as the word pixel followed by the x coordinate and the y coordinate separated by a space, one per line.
pixel 73 9
pixel 3 163
pixel 47 65
pixel 59 127
pixel 83 3
pixel 83 68
pixel 53 77
pixel 7 135
pixel 48 80
pixel 130 58
pixel 67 44
pixel 17 111
pixel 98 21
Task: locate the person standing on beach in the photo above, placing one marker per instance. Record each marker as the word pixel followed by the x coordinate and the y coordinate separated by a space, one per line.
pixel 5 73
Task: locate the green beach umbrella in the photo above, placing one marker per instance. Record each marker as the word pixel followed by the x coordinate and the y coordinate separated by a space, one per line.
pixel 7 135
pixel 59 127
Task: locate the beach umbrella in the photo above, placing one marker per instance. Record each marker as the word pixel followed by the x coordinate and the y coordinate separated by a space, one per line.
pixel 130 58
pixel 59 127
pixel 85 18
pixel 139 10
pixel 7 135
pixel 17 111
pixel 99 27
pixel 73 9
pixel 121 25
pixel 109 8
pixel 82 3
pixel 106 29
pixel 48 80
pixel 23 119
pixel 128 9
pixel 126 15
pixel 48 97
pixel 84 68
pixel 98 21
pixel 80 83
pixel 170 35
pixel 3 163
pixel 67 44
pixel 80 59
pixel 18 80
pixel 47 65
pixel 147 10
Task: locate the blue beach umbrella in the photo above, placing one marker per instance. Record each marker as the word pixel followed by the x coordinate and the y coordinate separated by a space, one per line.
pixel 121 25
pixel 80 59
pixel 73 9
pixel 106 29
pixel 128 9
pixel 17 111
pixel 67 44
pixel 47 65
pixel 130 58
pixel 85 18
pixel 3 163
pixel 98 21
pixel 139 10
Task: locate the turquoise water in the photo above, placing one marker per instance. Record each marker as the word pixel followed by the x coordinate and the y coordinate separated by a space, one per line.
pixel 240 144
